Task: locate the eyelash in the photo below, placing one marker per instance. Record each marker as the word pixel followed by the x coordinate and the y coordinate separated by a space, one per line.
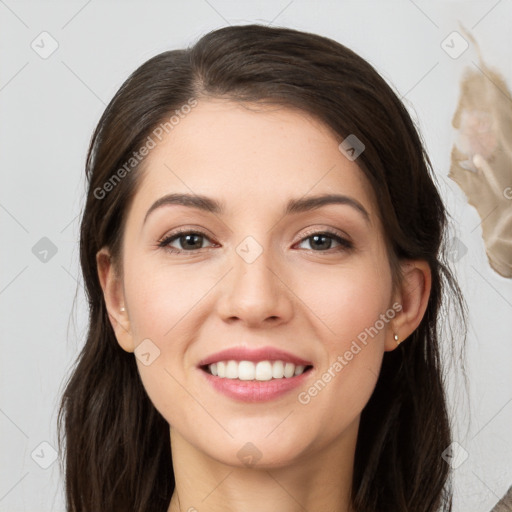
pixel 164 243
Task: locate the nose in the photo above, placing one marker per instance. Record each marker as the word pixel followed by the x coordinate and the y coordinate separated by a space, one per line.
pixel 255 293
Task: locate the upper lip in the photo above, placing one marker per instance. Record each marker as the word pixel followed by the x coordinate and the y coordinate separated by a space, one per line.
pixel 253 354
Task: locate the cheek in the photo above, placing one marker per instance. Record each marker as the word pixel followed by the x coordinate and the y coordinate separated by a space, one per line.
pixel 160 297
pixel 348 301
pixel 165 315
pixel 354 308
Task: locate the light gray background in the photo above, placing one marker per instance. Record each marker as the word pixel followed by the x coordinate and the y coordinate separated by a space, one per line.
pixel 48 110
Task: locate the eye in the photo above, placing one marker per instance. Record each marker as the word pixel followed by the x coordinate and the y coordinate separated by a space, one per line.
pixel 192 241
pixel 322 241
pixel 188 240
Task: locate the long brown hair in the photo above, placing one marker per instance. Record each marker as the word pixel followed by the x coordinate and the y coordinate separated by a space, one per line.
pixel 117 453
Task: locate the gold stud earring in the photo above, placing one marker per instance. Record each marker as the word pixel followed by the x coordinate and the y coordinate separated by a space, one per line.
pixel 396 340
pixel 122 309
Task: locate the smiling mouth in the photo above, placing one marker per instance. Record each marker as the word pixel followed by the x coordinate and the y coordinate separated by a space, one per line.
pixel 255 371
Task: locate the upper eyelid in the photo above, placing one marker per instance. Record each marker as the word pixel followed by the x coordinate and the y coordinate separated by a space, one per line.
pixel 200 231
pixel 332 232
pixel 185 231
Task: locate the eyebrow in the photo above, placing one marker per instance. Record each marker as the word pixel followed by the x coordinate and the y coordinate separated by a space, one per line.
pixel 293 206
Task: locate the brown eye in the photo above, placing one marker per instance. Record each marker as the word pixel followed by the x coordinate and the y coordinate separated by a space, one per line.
pixel 322 241
pixel 187 240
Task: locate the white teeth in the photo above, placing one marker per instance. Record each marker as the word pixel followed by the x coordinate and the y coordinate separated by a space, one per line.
pixel 232 370
pixel 299 369
pixel 261 371
pixel 278 370
pixel 264 370
pixel 289 370
pixel 246 370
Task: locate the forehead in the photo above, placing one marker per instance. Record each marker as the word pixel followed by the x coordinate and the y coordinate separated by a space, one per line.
pixel 249 157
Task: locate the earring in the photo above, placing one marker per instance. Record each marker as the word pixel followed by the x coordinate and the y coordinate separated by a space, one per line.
pixel 396 340
pixel 122 309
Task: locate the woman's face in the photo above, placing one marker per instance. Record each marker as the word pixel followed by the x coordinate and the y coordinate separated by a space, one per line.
pixel 256 276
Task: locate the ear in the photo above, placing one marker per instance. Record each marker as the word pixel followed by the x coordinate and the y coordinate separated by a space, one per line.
pixel 412 296
pixel 113 294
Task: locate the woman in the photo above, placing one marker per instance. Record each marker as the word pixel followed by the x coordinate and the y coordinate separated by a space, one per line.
pixel 262 252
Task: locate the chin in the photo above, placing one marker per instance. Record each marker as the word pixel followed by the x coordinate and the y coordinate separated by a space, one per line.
pixel 258 447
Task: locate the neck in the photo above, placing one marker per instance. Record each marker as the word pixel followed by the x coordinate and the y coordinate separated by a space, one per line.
pixel 319 480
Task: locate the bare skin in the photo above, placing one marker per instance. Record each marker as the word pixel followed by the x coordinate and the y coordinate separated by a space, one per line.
pixel 308 300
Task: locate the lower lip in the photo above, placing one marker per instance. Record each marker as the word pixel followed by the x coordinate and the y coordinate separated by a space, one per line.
pixel 255 390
